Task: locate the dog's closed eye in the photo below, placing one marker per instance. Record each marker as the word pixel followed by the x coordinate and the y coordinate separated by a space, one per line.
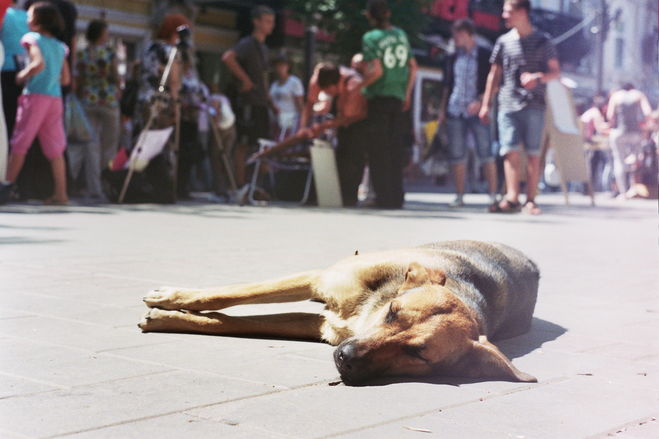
pixel 393 312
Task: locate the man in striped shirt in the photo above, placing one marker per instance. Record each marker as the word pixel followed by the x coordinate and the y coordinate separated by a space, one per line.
pixel 526 60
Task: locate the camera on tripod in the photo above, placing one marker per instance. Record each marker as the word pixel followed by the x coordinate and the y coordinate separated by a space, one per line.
pixel 184 34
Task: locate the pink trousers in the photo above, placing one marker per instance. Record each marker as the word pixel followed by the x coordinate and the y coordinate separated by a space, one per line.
pixel 39 116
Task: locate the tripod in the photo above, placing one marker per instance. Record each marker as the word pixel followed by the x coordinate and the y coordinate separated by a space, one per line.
pixel 226 162
pixel 159 103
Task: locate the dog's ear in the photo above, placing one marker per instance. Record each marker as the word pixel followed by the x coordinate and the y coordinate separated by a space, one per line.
pixel 484 360
pixel 418 275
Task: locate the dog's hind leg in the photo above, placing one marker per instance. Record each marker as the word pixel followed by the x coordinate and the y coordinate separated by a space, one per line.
pixel 288 289
pixel 289 325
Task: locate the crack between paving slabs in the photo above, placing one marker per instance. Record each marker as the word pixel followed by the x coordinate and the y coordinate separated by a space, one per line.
pixel 183 411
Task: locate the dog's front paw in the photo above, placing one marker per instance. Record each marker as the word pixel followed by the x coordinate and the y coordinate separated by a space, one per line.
pixel 152 320
pixel 166 298
pixel 163 297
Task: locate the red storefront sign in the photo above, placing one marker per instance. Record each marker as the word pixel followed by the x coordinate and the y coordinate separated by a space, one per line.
pixel 451 10
pixel 295 28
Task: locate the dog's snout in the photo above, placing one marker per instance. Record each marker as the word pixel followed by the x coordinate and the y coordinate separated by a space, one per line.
pixel 344 356
pixel 349 363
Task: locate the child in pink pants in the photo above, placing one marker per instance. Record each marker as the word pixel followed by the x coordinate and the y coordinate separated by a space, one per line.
pixel 40 108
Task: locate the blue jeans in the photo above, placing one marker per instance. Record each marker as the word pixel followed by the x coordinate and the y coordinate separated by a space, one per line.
pixel 523 127
pixel 457 129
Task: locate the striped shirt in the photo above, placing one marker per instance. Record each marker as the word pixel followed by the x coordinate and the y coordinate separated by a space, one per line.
pixel 464 90
pixel 518 55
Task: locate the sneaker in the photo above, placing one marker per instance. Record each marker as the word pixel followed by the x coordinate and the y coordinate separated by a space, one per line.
pixel 458 202
pixel 6 192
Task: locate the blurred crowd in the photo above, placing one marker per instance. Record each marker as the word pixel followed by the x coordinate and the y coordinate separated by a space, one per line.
pixel 89 121
pixel 621 132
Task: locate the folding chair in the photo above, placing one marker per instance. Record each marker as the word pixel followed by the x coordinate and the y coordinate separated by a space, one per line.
pixel 279 164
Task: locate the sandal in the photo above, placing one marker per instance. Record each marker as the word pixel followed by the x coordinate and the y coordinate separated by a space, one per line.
pixel 505 206
pixel 531 208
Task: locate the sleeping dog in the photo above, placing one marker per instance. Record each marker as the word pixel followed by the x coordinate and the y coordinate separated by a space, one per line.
pixel 425 311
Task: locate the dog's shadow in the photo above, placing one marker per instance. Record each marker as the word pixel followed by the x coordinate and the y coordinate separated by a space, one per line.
pixel 542 331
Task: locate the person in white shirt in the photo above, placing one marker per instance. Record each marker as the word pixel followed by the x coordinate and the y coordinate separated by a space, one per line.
pixel 286 95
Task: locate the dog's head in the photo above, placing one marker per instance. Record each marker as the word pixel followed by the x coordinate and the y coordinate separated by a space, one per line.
pixel 426 330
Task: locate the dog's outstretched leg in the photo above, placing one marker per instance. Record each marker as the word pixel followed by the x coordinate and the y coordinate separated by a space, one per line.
pixel 289 325
pixel 288 289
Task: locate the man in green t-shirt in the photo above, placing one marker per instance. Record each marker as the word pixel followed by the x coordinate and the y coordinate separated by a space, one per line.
pixel 390 70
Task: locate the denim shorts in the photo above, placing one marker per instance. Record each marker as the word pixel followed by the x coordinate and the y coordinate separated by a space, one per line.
pixel 523 127
pixel 457 129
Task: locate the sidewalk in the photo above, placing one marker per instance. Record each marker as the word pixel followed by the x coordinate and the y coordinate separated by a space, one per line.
pixel 73 363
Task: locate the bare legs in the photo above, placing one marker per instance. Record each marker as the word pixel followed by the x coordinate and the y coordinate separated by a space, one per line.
pixel 512 173
pixel 511 169
pixel 490 171
pixel 459 171
pixel 459 174
pixel 58 166
pixel 16 162
pixel 59 176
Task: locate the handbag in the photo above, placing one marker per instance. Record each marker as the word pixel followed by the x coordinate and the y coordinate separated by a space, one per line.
pixel 551 173
pixel 78 128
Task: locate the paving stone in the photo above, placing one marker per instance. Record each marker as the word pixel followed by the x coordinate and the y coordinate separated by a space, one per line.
pixel 72 361
pixel 331 410
pixel 72 333
pixel 112 316
pixel 11 385
pixel 172 426
pixel 547 366
pixel 640 429
pixel 63 367
pixel 10 435
pixel 418 428
pixel 88 407
pixel 46 305
pixel 11 314
pixel 574 408
pixel 279 362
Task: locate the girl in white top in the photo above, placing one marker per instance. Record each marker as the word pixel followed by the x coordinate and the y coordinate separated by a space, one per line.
pixel 286 94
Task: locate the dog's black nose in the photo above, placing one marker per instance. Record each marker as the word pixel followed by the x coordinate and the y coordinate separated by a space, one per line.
pixel 349 363
pixel 344 356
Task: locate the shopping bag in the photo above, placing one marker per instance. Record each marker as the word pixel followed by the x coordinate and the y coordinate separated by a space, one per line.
pixel 78 128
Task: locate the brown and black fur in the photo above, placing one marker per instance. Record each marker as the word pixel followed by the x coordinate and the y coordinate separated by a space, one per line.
pixel 423 311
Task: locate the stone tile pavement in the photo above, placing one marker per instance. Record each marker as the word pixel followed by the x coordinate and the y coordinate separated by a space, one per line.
pixel 73 364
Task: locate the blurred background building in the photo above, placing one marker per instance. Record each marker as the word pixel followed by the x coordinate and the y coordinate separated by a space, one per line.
pixel 623 38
